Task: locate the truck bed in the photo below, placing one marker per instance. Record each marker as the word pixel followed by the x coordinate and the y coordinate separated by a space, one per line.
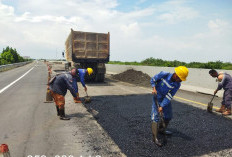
pixel 81 46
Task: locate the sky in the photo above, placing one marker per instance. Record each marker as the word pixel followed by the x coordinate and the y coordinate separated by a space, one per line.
pixel 184 30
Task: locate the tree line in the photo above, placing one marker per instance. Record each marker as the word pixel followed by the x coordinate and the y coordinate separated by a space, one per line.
pixel 10 55
pixel 164 63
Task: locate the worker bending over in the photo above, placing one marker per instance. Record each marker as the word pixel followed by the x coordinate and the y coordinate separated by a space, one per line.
pixel 225 82
pixel 63 82
pixel 80 74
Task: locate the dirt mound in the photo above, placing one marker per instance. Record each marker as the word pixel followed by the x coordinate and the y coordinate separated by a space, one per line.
pixel 134 77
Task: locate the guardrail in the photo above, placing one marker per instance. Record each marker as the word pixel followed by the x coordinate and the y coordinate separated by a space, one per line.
pixel 11 66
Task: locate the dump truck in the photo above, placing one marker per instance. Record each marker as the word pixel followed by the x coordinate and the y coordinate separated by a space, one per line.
pixel 88 49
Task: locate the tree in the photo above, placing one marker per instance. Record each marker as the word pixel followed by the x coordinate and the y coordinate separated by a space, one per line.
pixel 10 55
pixel 159 62
pixel 3 61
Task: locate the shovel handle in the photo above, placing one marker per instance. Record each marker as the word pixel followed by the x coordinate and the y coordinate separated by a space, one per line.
pixel 212 98
pixel 86 93
pixel 156 102
pixel 158 106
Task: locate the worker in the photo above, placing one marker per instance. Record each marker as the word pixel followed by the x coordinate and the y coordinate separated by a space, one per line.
pixel 63 82
pixel 165 85
pixel 63 54
pixel 80 74
pixel 225 82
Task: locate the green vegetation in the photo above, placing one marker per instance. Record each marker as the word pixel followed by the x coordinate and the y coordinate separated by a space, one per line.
pixel 9 56
pixel 159 62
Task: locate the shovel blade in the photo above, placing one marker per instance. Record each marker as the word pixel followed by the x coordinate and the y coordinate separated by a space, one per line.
pixel 87 99
pixel 210 107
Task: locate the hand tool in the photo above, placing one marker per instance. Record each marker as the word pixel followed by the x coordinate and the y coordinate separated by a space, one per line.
pixel 162 121
pixel 87 99
pixel 210 105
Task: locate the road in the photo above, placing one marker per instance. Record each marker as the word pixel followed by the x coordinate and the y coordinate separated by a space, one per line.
pixel 30 127
pixel 121 126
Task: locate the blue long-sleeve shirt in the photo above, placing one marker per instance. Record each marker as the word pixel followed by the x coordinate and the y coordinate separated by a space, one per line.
pixel 165 87
pixel 81 75
pixel 62 83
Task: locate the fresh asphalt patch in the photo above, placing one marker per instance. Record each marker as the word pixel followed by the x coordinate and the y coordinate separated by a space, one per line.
pixel 126 119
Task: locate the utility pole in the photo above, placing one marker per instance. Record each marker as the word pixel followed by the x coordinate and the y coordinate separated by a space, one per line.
pixel 56 53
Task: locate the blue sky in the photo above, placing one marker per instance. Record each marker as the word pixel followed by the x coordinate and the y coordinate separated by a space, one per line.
pixel 184 30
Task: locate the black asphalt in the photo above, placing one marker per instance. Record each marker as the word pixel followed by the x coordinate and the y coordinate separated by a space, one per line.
pixel 126 119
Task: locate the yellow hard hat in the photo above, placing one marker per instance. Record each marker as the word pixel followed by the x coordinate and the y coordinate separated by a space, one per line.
pixel 90 71
pixel 182 72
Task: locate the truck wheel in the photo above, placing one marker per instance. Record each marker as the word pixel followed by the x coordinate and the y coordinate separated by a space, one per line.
pixel 100 77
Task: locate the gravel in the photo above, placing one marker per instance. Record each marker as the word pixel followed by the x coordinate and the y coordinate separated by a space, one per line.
pixel 135 77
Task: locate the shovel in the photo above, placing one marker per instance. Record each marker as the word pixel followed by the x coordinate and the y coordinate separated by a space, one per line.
pixel 87 99
pixel 210 105
pixel 162 122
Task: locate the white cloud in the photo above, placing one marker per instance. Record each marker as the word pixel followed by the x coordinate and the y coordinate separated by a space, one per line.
pixel 175 11
pixel 178 14
pixel 217 25
pixel 39 28
pixel 6 10
pixel 129 30
pixel 217 29
pixel 215 42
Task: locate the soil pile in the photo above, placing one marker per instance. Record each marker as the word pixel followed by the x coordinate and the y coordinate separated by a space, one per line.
pixel 134 77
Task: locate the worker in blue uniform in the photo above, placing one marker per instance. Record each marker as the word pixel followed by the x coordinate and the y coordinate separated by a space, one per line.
pixel 165 85
pixel 80 73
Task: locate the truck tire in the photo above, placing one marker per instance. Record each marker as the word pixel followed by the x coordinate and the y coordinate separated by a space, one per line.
pixel 100 77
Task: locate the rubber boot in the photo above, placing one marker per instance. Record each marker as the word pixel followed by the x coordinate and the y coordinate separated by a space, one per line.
pixel 167 132
pixel 227 112
pixel 62 115
pixel 222 109
pixel 161 128
pixel 154 128
pixel 58 111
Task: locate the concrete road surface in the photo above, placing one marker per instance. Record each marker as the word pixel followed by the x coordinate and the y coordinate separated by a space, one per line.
pixel 31 128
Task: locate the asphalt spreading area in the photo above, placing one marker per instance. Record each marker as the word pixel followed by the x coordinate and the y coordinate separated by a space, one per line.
pixel 126 119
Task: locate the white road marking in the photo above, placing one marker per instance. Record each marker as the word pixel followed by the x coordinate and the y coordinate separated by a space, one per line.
pixel 5 88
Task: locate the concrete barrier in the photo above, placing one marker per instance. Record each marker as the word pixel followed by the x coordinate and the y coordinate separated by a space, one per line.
pixel 11 66
pixel 198 80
